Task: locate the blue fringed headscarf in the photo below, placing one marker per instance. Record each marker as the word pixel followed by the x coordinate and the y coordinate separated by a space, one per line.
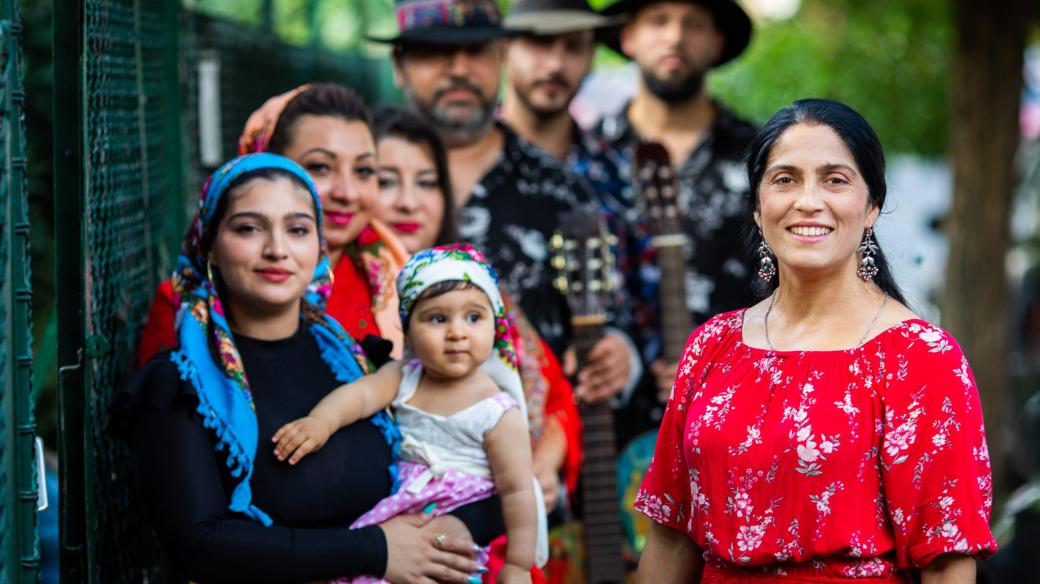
pixel 225 402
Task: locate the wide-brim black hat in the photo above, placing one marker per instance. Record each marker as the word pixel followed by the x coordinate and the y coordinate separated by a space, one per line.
pixel 552 17
pixel 446 22
pixel 730 20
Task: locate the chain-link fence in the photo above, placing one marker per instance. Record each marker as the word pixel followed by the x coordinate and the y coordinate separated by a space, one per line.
pixel 133 162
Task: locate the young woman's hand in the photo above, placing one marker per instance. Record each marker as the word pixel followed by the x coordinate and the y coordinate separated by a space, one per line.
pixel 300 438
pixel 414 556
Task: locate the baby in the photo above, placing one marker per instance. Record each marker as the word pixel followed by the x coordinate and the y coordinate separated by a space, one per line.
pixel 459 404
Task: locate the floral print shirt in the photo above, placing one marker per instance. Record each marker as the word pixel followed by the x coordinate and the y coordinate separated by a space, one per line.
pixel 713 198
pixel 510 216
pixel 846 464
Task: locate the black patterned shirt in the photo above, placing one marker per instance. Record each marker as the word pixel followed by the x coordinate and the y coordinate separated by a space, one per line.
pixel 713 197
pixel 510 216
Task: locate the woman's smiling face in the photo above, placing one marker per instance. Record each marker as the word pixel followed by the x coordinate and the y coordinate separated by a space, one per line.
pixel 813 203
pixel 340 157
pixel 266 246
pixel 412 200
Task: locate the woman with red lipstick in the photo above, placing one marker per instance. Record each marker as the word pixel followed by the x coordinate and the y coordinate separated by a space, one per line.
pixel 825 434
pixel 256 350
pixel 326 128
pixel 416 190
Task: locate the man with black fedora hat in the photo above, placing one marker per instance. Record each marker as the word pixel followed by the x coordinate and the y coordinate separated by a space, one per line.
pixel 510 194
pixel 674 44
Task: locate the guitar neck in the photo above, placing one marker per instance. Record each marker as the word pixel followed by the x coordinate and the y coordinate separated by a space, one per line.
pixel 676 323
pixel 601 521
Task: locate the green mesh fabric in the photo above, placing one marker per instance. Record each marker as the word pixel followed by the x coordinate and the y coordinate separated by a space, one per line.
pixel 19 552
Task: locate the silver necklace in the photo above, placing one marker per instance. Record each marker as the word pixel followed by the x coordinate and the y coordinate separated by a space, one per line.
pixel 863 339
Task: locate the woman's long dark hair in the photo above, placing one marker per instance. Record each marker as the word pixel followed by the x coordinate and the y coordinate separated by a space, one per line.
pixel 858 137
pixel 320 99
pixel 395 122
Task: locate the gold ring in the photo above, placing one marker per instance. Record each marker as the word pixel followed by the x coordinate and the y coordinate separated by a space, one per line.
pixel 439 539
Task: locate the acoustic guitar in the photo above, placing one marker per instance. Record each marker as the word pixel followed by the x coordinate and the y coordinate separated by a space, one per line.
pixel 656 192
pixel 585 274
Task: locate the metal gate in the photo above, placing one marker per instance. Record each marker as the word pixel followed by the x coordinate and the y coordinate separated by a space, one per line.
pixel 117 170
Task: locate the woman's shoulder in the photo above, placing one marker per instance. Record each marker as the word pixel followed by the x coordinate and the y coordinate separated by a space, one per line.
pixel 156 385
pixel 724 328
pixel 914 337
pixel 923 361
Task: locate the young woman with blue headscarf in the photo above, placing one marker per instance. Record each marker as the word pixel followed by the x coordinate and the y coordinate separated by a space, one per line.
pixel 257 350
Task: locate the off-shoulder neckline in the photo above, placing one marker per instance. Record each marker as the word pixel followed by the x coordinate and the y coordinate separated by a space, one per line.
pixel 871 341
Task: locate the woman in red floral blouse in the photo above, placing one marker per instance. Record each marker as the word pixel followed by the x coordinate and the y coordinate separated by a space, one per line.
pixel 825 434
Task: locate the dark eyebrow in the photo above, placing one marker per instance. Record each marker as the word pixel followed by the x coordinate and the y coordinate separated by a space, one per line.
pixel 831 167
pixel 318 150
pixel 432 171
pixel 365 155
pixel 783 168
pixel 264 219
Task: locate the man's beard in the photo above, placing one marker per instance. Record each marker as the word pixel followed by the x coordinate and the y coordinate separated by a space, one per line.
pixel 675 90
pixel 544 113
pixel 454 131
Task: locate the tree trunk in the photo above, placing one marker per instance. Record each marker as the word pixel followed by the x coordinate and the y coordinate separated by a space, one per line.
pixel 984 136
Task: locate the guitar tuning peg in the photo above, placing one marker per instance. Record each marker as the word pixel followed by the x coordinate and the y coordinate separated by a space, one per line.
pixel 595 264
pixel 611 239
pixel 556 241
pixel 558 262
pixel 560 284
pixel 576 286
pixel 595 285
pixel 592 242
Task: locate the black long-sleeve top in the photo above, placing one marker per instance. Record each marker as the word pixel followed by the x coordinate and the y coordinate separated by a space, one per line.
pixel 186 485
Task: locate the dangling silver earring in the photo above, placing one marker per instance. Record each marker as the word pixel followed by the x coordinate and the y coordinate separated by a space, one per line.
pixel 867 250
pixel 766 265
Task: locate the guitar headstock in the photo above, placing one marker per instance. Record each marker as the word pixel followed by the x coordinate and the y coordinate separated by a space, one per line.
pixel 584 262
pixel 657 190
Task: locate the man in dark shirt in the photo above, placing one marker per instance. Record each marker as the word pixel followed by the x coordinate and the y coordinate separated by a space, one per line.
pixel 675 44
pixel 510 194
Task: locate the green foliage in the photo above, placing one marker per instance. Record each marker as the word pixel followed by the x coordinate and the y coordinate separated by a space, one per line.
pixel 886 58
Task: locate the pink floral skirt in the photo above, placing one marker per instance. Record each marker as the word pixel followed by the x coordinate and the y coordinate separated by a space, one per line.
pixel 449 491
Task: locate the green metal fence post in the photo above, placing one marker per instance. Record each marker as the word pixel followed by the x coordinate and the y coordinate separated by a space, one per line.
pixel 68 216
pixel 21 550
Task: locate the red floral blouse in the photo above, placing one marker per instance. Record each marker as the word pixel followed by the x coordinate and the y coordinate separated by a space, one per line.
pixel 844 464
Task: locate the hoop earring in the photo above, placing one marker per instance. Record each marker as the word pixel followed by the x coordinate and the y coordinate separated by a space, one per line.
pixel 766 265
pixel 868 248
pixel 209 275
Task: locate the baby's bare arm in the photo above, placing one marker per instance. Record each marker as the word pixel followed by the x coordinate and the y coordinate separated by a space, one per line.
pixel 342 407
pixel 509 452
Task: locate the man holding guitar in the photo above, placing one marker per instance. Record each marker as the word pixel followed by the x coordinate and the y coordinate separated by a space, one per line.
pixel 675 43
